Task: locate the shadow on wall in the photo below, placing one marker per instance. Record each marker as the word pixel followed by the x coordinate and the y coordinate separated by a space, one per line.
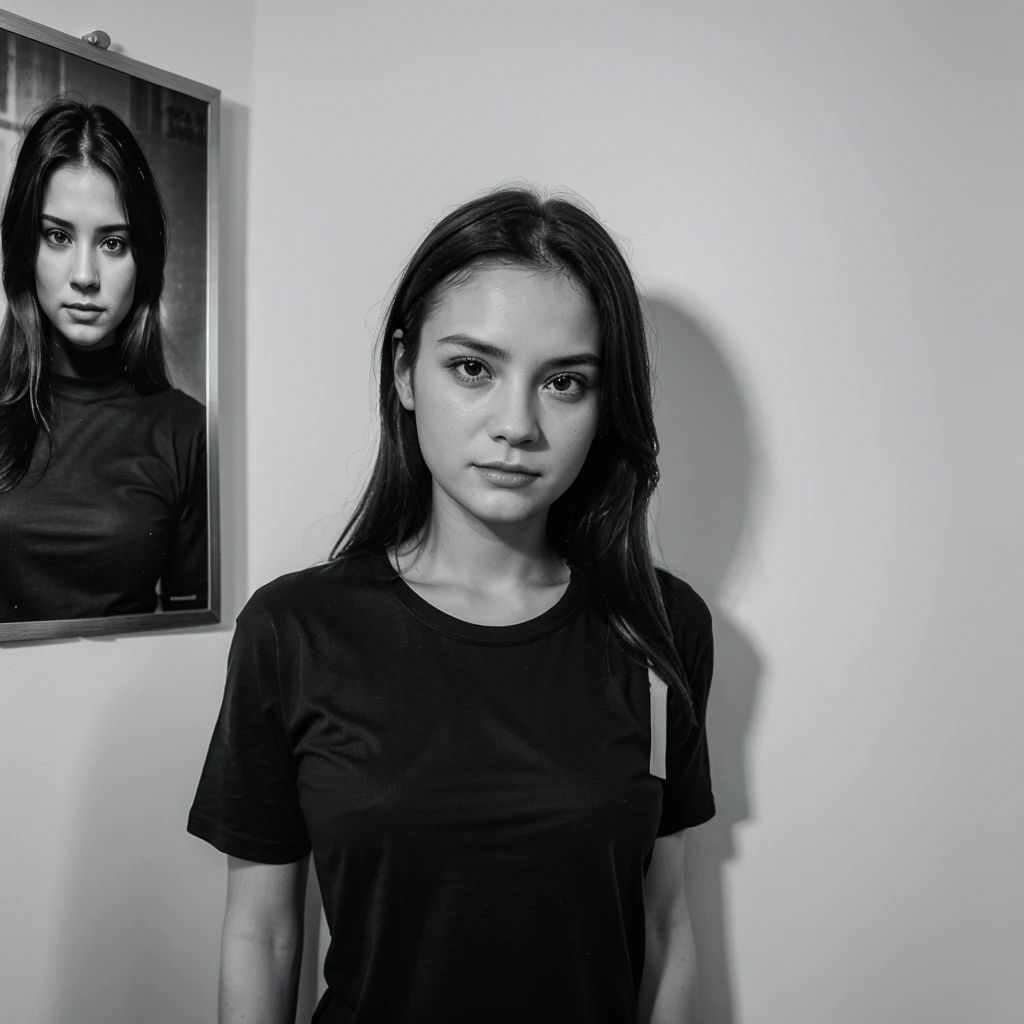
pixel 709 471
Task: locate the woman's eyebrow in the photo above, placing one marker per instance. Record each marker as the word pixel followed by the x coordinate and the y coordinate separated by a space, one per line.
pixel 495 352
pixel 102 229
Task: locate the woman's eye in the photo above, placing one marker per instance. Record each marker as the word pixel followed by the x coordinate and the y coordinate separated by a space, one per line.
pixel 567 384
pixel 57 237
pixel 472 369
pixel 114 244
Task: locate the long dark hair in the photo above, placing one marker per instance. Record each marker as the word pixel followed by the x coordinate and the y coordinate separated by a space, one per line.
pixel 599 525
pixel 69 132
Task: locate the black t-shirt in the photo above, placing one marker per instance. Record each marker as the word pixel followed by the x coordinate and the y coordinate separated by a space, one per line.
pixel 477 799
pixel 116 502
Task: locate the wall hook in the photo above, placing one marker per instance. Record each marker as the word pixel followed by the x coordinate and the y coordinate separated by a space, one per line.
pixel 98 38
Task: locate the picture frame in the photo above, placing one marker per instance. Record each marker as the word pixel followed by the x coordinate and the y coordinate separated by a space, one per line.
pixel 176 122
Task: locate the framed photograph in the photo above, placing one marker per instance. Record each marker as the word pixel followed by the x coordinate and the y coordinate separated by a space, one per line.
pixel 108 341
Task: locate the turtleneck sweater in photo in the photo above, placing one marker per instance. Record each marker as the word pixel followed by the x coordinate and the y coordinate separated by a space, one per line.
pixel 112 505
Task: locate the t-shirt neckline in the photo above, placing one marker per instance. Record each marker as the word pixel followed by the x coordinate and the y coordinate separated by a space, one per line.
pixel 515 633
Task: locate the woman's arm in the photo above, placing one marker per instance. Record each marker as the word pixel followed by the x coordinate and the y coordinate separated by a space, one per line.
pixel 669 983
pixel 261 945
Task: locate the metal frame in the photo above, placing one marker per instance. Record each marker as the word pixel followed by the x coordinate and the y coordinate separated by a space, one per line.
pixel 113 624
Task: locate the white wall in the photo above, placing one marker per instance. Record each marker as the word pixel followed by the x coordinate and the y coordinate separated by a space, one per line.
pixel 823 203
pixel 109 912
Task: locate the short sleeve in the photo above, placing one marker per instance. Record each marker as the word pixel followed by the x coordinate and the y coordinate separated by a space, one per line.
pixel 247 804
pixel 688 799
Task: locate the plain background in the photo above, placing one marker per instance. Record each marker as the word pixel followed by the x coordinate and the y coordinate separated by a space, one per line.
pixel 822 202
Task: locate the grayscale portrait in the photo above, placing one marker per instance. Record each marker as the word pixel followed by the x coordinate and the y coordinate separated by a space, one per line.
pixel 107 341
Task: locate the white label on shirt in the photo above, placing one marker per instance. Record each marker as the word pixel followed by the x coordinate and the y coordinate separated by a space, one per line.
pixel 659 723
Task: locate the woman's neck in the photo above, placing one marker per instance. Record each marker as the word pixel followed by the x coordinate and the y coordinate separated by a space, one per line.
pixel 93 364
pixel 459 555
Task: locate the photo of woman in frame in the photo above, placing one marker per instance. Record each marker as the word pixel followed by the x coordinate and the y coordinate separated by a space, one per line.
pixel 103 495
pixel 109 494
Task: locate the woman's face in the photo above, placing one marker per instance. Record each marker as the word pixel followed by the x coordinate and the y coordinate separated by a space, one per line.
pixel 85 271
pixel 508 372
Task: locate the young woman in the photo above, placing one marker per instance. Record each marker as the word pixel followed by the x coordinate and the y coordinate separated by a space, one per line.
pixel 102 462
pixel 462 714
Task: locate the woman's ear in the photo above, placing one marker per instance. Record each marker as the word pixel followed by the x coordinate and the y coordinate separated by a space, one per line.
pixel 403 372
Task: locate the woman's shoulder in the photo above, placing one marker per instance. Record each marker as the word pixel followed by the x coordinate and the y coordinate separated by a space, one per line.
pixel 687 610
pixel 181 404
pixel 299 596
pixel 171 405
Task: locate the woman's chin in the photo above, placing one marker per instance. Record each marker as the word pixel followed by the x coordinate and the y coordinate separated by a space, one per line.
pixel 505 510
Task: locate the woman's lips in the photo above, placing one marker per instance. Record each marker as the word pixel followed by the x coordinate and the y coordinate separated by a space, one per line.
pixel 505 477
pixel 84 312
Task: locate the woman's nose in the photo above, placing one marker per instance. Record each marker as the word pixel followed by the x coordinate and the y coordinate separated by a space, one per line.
pixel 85 270
pixel 514 419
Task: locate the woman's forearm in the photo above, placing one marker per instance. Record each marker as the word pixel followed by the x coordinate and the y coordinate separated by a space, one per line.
pixel 259 980
pixel 670 976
